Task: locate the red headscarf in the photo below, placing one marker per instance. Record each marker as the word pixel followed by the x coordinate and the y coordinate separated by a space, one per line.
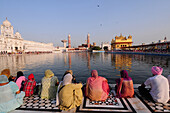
pixel 30 77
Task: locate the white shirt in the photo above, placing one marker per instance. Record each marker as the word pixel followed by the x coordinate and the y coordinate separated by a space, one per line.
pixel 159 88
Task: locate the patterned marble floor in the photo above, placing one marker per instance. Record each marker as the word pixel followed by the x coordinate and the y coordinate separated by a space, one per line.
pixel 112 104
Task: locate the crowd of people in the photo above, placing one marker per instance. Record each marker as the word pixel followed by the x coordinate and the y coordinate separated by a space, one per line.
pixel 69 94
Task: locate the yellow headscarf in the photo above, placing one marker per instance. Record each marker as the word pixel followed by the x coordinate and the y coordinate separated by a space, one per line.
pixel 48 73
pixel 6 72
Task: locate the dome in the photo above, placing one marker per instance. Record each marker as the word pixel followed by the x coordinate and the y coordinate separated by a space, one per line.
pixel 129 36
pixel 18 35
pixel 6 23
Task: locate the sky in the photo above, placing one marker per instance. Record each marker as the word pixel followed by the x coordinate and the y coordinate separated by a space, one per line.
pixel 51 21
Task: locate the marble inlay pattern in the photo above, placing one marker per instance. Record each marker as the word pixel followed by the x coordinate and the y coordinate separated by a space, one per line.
pixel 153 106
pixel 36 103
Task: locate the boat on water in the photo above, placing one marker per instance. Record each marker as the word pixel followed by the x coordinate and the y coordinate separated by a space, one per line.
pixel 97 51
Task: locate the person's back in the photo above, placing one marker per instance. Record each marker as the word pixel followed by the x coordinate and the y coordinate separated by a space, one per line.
pixel 29 85
pixel 67 94
pixel 159 88
pixel 70 95
pixel 9 100
pixel 124 85
pixel 127 88
pixel 97 87
pixel 49 83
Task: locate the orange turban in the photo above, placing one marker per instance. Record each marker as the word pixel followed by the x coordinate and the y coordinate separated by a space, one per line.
pixel 6 72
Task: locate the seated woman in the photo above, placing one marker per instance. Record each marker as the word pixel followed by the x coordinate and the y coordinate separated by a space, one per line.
pixel 124 85
pixel 70 95
pixel 29 85
pixel 71 72
pixel 10 97
pixel 7 73
pixel 49 83
pixel 20 80
pixel 73 80
pixel 97 87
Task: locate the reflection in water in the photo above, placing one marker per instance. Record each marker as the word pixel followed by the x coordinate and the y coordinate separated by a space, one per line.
pixel 69 60
pixel 108 65
pixel 121 61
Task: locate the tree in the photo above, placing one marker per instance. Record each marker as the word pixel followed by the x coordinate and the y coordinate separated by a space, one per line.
pixel 96 48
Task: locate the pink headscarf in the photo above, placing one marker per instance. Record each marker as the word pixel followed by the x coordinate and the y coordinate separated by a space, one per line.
pixel 97 87
pixel 94 73
pixel 157 70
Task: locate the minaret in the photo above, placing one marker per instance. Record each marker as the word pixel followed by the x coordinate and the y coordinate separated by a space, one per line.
pixel 64 43
pixel 69 41
pixel 88 40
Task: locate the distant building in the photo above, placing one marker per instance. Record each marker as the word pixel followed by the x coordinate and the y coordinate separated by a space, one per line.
pixel 106 46
pixel 165 40
pixel 120 42
pixel 14 43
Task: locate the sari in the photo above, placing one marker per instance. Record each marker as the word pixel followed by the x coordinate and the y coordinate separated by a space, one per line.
pixel 97 87
pixel 70 95
pixel 124 85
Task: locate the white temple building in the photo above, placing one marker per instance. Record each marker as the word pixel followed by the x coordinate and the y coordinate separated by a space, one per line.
pixel 14 43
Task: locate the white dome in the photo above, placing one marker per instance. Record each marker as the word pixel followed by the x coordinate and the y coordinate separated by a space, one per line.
pixel 6 23
pixel 17 33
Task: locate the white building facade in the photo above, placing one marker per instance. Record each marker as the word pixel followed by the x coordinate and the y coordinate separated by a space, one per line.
pixel 106 45
pixel 14 43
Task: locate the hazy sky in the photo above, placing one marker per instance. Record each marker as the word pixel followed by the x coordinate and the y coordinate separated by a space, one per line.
pixel 52 20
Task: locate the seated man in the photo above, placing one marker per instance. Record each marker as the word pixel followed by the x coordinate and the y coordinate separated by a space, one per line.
pixel 159 86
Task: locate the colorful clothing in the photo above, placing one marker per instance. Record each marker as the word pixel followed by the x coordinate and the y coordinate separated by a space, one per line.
pixel 49 85
pixel 97 87
pixel 124 85
pixel 70 95
pixel 20 80
pixel 9 100
pixel 159 88
pixel 29 85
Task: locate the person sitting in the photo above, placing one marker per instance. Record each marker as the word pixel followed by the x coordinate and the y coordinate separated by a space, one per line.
pixel 29 85
pixel 124 85
pixel 10 96
pixel 20 80
pixel 7 73
pixel 70 95
pixel 169 83
pixel 159 87
pixel 97 87
pixel 71 72
pixel 49 83
pixel 73 80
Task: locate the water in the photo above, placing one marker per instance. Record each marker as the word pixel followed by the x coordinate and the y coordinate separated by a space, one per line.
pixel 108 65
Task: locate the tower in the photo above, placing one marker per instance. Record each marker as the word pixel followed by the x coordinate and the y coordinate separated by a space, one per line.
pixel 64 43
pixel 88 40
pixel 69 41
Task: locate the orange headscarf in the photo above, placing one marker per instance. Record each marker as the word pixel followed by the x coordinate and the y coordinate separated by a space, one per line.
pixel 6 72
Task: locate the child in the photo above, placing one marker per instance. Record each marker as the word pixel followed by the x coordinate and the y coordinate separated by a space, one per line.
pixel 29 85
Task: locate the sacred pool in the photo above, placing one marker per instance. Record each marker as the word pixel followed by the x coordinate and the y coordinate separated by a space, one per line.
pixel 108 65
